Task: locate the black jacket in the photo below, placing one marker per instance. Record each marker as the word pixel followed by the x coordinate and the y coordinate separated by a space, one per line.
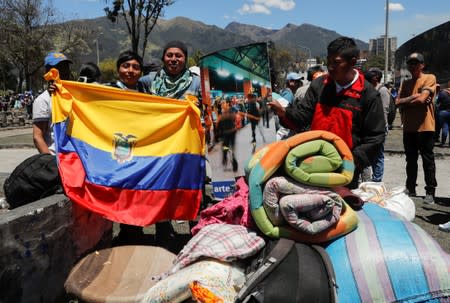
pixel 355 114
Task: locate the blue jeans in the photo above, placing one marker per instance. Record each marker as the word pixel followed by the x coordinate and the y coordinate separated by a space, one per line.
pixel 378 166
pixel 444 119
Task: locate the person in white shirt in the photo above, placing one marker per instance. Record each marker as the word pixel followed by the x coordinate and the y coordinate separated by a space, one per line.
pixel 42 106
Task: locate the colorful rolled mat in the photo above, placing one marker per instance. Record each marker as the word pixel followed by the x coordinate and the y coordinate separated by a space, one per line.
pixel 389 259
pixel 329 153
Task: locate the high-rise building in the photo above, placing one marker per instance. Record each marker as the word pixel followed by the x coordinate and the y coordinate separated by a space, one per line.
pixel 377 48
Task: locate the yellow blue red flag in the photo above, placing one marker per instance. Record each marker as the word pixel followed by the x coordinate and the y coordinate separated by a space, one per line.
pixel 132 157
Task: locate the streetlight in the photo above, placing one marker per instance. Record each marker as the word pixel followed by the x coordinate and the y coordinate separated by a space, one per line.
pixel 96 46
pixel 386 42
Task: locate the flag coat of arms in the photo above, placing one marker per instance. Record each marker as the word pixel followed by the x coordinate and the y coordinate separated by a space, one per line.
pixel 131 157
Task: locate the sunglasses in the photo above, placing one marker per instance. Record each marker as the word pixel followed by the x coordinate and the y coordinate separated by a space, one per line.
pixel 415 62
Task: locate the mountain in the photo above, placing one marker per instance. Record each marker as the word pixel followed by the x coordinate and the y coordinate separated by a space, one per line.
pixel 205 38
pixel 293 37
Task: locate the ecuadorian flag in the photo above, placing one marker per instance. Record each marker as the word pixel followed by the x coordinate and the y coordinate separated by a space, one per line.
pixel 132 157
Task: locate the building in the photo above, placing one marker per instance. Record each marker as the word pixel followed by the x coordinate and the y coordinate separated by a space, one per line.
pixel 377 48
pixel 434 45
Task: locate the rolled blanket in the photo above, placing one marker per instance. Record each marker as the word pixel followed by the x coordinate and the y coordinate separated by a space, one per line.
pixel 267 160
pixel 306 208
pixel 317 163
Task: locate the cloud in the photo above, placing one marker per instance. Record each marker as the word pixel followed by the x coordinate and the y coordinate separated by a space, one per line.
pixel 265 6
pixel 285 5
pixel 396 7
pixel 254 9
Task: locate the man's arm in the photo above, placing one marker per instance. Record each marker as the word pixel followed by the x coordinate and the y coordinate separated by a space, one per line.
pixel 428 89
pixel 419 98
pixel 39 130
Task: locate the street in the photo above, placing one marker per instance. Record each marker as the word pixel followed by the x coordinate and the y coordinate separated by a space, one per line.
pixel 16 145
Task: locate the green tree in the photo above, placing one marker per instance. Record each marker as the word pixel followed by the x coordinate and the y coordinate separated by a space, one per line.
pixel 194 59
pixel 7 78
pixel 374 61
pixel 29 32
pixel 108 69
pixel 24 35
pixel 140 17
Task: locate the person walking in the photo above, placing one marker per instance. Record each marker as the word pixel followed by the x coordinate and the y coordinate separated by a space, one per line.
pixel 416 101
pixel 254 115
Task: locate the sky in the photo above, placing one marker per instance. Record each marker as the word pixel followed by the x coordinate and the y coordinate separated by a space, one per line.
pixel 360 19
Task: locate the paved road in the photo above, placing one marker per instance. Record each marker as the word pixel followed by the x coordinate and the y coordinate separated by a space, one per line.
pixel 428 217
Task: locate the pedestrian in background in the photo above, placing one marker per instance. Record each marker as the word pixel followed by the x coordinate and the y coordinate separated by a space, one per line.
pixel 254 115
pixel 443 102
pixel 89 73
pixel 374 75
pixel 416 101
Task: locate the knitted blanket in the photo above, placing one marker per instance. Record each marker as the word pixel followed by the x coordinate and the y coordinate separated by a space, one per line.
pixel 306 208
pixel 265 162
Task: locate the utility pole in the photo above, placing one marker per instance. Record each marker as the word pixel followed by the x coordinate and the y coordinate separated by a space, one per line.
pixel 386 42
pixel 98 56
pixel 309 54
pixel 96 47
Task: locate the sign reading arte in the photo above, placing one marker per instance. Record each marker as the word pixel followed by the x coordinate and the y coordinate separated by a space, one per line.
pixel 223 189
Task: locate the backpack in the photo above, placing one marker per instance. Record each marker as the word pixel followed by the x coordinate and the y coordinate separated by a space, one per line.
pixel 287 271
pixel 35 178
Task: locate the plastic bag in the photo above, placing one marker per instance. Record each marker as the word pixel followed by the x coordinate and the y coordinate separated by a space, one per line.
pixel 395 199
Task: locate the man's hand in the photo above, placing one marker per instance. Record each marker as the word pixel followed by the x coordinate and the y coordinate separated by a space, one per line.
pixel 279 110
pixel 51 87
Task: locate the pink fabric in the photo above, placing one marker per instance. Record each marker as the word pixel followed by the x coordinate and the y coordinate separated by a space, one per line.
pixel 353 200
pixel 231 210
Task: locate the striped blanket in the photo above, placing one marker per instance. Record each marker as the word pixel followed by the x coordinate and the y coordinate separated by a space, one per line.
pixel 389 259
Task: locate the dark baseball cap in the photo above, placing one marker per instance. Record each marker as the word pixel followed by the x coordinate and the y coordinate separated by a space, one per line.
pixel 415 57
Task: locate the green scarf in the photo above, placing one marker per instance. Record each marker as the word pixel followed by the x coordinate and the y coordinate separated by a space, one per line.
pixel 165 86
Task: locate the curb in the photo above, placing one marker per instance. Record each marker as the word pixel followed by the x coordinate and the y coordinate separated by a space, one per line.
pixel 401 152
pixel 17 145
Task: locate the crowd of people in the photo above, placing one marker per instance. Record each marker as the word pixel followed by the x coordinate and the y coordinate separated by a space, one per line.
pixel 339 100
pixel 22 102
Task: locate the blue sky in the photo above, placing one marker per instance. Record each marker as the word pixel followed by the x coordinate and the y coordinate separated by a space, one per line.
pixel 360 19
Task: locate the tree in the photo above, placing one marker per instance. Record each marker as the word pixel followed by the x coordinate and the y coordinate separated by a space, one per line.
pixel 29 32
pixel 194 59
pixel 140 17
pixel 108 69
pixel 374 61
pixel 24 36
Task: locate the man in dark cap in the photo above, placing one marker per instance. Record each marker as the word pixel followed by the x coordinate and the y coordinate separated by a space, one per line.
pixel 415 99
pixel 174 80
